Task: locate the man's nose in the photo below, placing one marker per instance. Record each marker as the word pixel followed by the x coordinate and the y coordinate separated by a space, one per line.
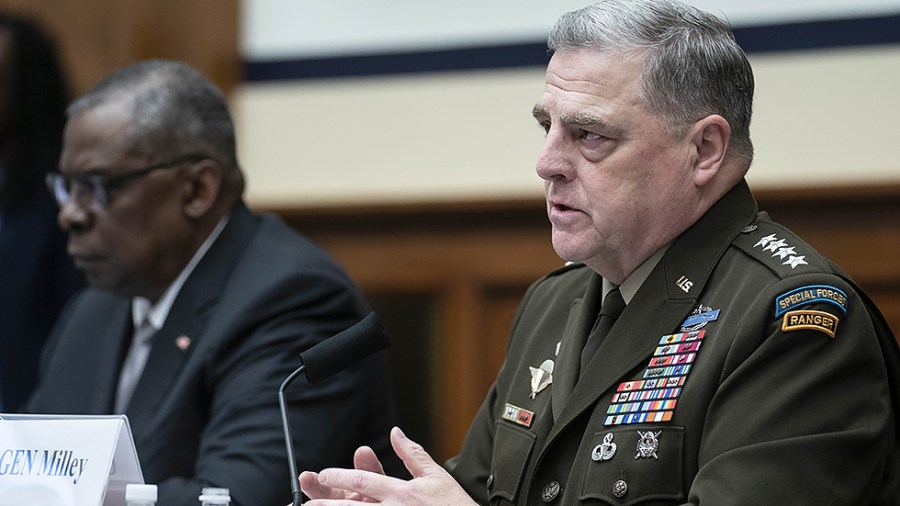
pixel 72 215
pixel 553 162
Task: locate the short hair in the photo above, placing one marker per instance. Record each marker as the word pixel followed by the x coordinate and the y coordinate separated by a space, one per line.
pixel 693 66
pixel 175 109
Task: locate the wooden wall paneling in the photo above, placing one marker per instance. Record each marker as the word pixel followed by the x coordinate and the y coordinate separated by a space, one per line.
pixel 500 305
pixel 457 364
pixel 96 36
pixel 479 314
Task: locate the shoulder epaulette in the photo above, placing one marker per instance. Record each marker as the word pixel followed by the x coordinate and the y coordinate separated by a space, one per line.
pixel 565 268
pixel 780 249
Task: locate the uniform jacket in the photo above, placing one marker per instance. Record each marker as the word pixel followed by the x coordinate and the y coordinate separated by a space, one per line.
pixel 720 384
pixel 205 411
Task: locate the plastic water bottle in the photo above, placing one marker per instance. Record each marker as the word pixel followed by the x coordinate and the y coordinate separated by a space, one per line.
pixel 215 497
pixel 140 495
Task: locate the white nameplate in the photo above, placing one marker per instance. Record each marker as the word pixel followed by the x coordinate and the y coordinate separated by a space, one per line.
pixel 48 460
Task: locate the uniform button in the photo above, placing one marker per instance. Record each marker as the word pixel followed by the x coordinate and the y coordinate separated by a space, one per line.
pixel 620 488
pixel 490 481
pixel 551 490
pixel 749 228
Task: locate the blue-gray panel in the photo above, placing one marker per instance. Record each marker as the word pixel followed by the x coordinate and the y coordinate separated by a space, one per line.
pixel 882 30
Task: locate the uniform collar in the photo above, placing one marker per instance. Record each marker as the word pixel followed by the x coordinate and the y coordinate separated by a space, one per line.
pixel 633 282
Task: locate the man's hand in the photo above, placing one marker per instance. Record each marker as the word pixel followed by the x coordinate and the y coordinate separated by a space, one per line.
pixel 431 485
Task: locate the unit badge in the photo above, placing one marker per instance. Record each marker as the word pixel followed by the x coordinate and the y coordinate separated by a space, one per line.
pixel 647 445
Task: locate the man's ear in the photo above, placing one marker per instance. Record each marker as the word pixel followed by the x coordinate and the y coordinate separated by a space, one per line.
pixel 201 188
pixel 710 137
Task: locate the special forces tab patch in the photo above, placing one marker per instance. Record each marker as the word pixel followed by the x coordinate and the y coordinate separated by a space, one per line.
pixel 810 320
pixel 808 295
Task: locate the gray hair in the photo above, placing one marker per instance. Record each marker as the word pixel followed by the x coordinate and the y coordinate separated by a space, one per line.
pixel 693 65
pixel 175 110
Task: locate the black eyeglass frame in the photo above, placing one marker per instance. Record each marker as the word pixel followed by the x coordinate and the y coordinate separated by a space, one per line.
pixel 64 186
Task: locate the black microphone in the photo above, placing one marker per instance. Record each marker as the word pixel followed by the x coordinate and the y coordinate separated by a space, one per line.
pixel 323 360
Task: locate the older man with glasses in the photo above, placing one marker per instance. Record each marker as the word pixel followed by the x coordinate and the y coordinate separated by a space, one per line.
pixel 198 308
pixel 96 186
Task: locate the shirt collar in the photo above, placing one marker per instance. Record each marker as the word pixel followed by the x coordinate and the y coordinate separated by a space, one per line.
pixel 156 314
pixel 633 282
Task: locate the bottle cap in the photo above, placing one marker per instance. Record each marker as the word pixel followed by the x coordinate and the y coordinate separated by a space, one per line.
pixel 138 492
pixel 215 495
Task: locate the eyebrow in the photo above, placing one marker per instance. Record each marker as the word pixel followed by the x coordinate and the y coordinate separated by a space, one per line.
pixel 95 172
pixel 578 119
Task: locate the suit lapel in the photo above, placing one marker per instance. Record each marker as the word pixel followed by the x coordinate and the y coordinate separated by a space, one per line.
pixel 112 343
pixel 165 360
pixel 183 329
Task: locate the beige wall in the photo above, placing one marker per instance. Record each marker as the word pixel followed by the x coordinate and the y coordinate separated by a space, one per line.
pixel 823 117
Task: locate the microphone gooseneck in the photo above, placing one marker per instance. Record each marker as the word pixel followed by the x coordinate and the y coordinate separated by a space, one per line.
pixel 296 494
pixel 321 361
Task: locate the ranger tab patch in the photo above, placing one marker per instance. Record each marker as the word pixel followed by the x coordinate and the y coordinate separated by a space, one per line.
pixel 810 320
pixel 809 295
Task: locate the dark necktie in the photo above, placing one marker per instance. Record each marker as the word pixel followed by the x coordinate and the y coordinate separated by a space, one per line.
pixel 612 307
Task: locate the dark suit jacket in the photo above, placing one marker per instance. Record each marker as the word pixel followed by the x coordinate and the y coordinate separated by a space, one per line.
pixel 38 278
pixel 768 412
pixel 208 414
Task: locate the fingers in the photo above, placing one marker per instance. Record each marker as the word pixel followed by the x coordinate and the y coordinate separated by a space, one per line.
pixel 354 483
pixel 414 457
pixel 365 460
pixel 325 486
pixel 309 484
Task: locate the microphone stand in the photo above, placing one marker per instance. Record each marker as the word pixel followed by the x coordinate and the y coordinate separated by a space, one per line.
pixel 288 439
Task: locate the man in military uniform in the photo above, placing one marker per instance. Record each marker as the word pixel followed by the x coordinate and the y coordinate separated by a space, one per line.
pixel 736 366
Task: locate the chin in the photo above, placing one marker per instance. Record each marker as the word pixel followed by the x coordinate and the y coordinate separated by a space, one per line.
pixel 569 252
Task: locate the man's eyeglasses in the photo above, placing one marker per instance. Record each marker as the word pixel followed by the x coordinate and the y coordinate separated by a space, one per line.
pixel 91 191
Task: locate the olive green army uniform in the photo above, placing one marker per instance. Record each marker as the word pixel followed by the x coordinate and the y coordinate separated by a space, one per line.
pixel 746 369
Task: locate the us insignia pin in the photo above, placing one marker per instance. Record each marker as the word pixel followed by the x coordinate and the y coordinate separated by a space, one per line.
pixel 541 377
